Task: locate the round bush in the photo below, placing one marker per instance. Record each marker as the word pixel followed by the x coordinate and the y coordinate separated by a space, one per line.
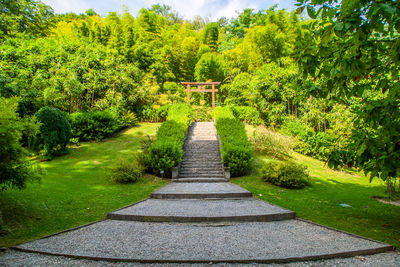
pixel 286 174
pixel 126 171
pixel 55 132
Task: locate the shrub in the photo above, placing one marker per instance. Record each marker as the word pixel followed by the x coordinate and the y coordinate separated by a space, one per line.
pixel 237 152
pixel 128 119
pixel 249 115
pixel 15 168
pixel 55 132
pixel 319 145
pixel 286 174
pixel 202 113
pixel 271 143
pixel 150 114
pixel 94 125
pixel 126 171
pixel 166 152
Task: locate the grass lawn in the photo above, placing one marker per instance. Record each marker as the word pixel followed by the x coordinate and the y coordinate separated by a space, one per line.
pixel 320 201
pixel 75 189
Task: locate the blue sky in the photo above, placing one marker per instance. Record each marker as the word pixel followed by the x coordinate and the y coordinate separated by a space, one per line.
pixel 213 9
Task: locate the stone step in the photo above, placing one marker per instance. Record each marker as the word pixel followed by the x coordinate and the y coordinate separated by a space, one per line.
pixel 189 161
pixel 183 173
pixel 215 167
pixel 200 180
pixel 200 163
pixel 203 156
pixel 201 153
pixel 198 210
pixel 206 149
pixel 200 190
pixel 200 169
pixel 211 172
pixel 202 243
pixel 202 175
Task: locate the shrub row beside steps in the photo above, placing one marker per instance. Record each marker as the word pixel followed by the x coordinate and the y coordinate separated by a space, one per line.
pixel 236 149
pixel 167 150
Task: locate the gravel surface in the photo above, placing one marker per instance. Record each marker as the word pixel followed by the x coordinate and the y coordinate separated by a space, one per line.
pixel 200 188
pixel 16 258
pixel 197 208
pixel 234 241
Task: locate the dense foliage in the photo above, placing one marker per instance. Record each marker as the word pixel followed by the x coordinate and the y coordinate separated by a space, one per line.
pixel 288 174
pixel 354 48
pixel 247 114
pixel 15 168
pixel 55 132
pixel 236 150
pixel 98 124
pixel 346 101
pixel 167 150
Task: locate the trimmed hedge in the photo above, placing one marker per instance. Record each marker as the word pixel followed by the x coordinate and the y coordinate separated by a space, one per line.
pixel 237 151
pixel 166 152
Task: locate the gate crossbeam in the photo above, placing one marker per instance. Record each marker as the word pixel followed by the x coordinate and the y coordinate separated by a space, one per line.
pixel 200 88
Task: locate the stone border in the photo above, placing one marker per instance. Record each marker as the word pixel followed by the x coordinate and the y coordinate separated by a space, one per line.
pixel 346 254
pixel 204 219
pixel 286 215
pixel 388 247
pixel 199 180
pixel 199 196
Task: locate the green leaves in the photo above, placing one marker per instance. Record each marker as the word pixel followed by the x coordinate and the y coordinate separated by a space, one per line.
pixel 237 152
pixel 311 12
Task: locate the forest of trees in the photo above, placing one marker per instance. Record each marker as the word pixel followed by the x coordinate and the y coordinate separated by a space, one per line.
pixel 327 73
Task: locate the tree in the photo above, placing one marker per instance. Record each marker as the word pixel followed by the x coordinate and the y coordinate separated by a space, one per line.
pixel 210 67
pixel 28 16
pixel 55 132
pixel 355 46
pixel 15 168
pixel 210 35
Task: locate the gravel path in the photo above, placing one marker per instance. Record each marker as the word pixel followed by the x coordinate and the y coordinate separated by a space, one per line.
pixel 234 241
pixel 200 188
pixel 190 210
pixel 17 259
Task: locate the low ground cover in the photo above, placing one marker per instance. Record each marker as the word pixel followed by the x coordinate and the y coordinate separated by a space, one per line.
pixel 75 190
pixel 320 201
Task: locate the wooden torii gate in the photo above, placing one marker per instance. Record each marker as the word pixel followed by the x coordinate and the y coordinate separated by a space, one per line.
pixel 200 88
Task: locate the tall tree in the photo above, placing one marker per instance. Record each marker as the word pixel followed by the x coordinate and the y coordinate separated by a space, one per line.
pixel 355 46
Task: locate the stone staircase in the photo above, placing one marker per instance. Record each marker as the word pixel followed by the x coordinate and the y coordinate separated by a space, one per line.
pixel 201 161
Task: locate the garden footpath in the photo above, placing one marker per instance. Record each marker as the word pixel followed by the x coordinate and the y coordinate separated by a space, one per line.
pixel 202 218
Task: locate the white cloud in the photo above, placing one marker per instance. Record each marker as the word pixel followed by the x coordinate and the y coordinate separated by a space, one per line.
pixel 63 6
pixel 186 8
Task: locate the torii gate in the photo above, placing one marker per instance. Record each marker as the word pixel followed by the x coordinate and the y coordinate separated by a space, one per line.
pixel 200 88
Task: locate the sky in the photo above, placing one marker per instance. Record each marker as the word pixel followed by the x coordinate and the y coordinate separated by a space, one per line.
pixel 213 9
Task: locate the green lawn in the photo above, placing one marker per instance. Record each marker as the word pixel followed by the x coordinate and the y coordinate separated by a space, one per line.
pixel 320 201
pixel 75 189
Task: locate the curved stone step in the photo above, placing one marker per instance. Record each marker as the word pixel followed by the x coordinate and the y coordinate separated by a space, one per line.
pixel 255 242
pixel 200 180
pixel 200 190
pixel 198 210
